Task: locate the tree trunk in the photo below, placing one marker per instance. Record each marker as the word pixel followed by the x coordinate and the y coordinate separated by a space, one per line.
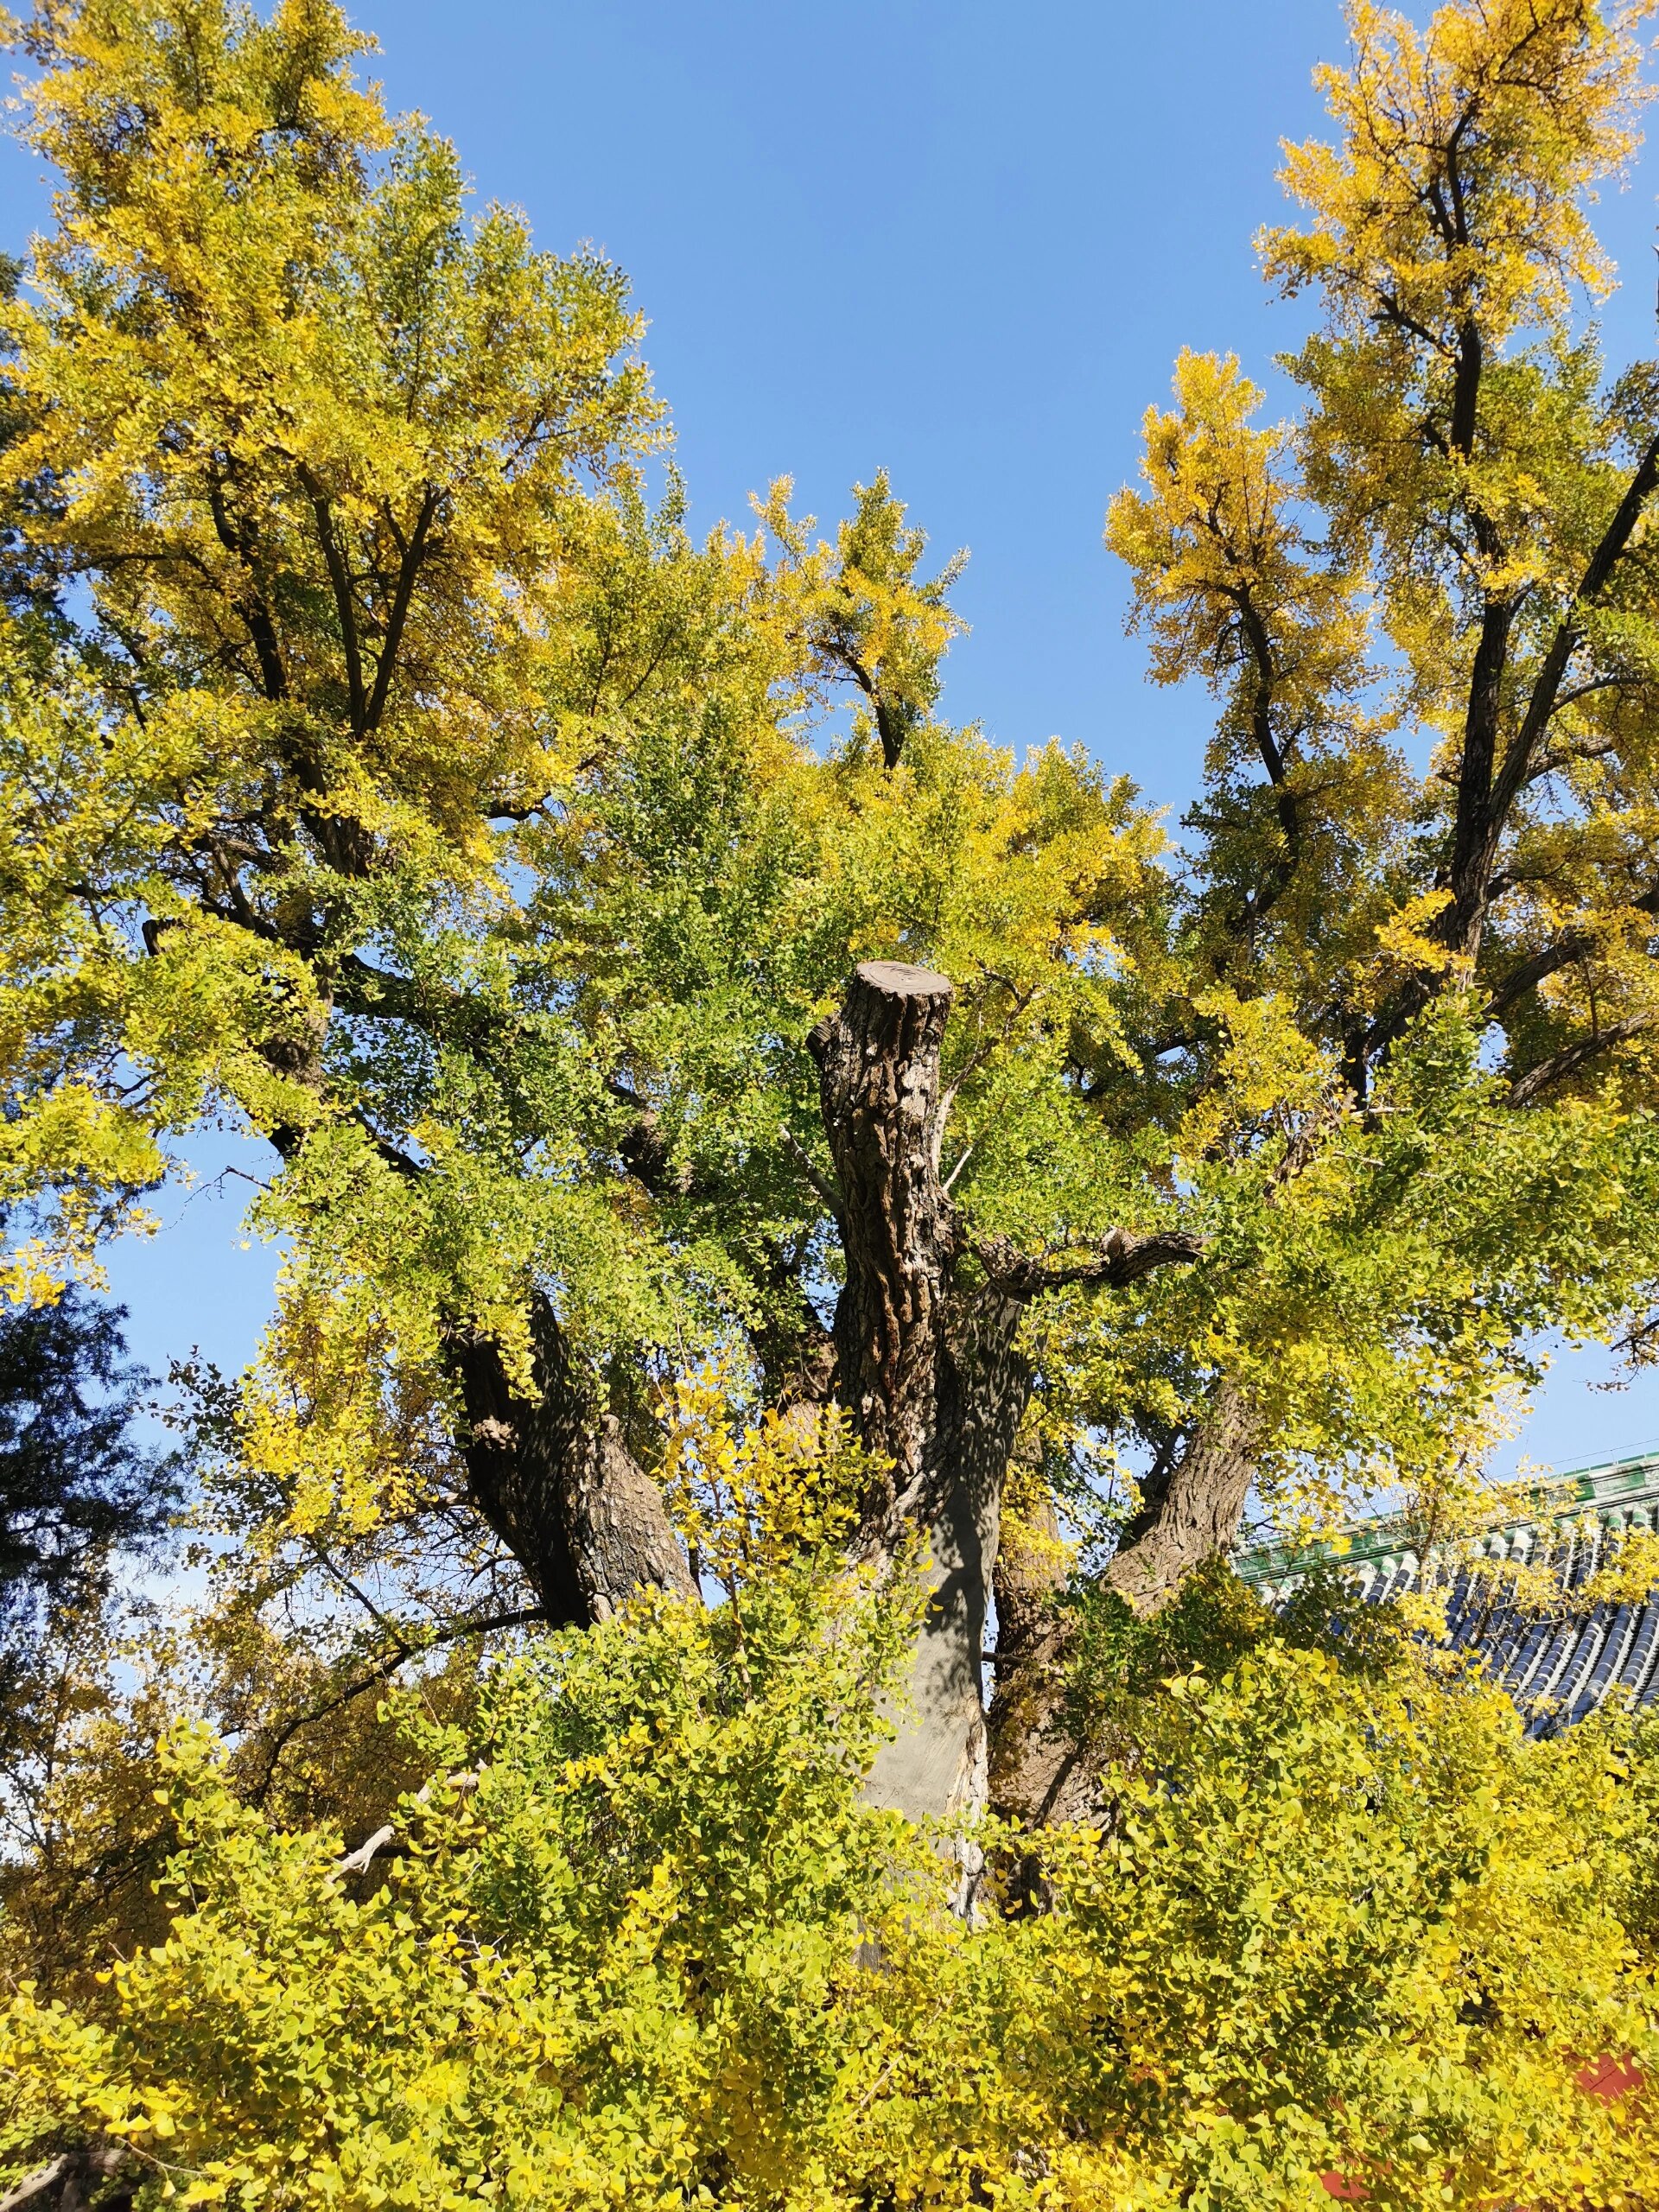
pixel 928 1371
pixel 553 1478
pixel 878 1062
pixel 1187 1517
pixel 939 1763
pixel 1031 1759
pixel 1193 1513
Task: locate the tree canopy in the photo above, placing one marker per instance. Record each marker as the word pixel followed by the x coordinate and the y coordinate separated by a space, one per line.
pixel 729 1123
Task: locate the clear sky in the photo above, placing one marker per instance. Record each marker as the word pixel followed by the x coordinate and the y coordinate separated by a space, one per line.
pixel 959 240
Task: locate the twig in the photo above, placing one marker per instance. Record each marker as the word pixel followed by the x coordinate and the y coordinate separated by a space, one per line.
pixel 967 1155
pixel 815 1175
pixel 977 1060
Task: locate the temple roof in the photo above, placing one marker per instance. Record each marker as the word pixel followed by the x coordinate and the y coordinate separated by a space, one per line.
pixel 1558 1667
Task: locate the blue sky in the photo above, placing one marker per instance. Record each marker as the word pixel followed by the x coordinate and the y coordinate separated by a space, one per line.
pixel 958 240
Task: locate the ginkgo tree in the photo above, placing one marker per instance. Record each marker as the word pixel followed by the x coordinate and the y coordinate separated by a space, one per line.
pixel 776 1192
pixel 633 977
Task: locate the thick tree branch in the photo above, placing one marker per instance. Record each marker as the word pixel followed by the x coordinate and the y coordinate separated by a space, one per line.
pixel 1389 310
pixel 547 1468
pixel 1119 1259
pixel 891 727
pixel 1272 757
pixel 409 568
pixel 646 1151
pixel 1487 786
pixel 1527 1088
pixel 345 610
pixel 1551 958
pixel 74 2175
pixel 1465 389
pixel 1192 1511
pixel 359 1862
pixel 1474 839
pixel 380 995
pixel 549 1472
pixel 250 604
pixel 1549 961
pixel 1599 572
pixel 1551 762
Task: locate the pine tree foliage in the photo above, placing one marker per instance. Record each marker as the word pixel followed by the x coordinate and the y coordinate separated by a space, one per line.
pixel 73 1484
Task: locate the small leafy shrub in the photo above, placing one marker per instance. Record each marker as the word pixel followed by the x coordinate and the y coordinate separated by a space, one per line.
pixel 639 1941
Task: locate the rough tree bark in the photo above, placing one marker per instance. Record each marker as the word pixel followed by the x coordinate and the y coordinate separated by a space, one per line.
pixel 926 1362
pixel 553 1478
pixel 1192 1512
pixel 548 1473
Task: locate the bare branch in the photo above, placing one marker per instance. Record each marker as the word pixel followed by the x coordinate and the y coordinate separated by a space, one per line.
pixel 1557 1068
pixel 67 2170
pixel 1119 1259
pixel 949 1179
pixel 975 1060
pixel 358 1861
pixel 814 1175
pixel 37 2183
pixel 407 1648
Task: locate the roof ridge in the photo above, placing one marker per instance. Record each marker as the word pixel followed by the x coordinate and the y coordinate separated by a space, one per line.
pixel 1626 1487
